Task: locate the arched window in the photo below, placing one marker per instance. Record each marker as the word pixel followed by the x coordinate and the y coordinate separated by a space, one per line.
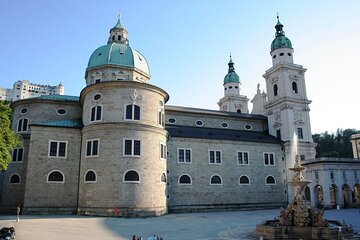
pixel 215 180
pixel 294 87
pixel 184 180
pixel 132 112
pixel 275 90
pixel 270 180
pixel 15 178
pixel 56 176
pixel 90 176
pixel 244 180
pixel 163 178
pixel 131 176
pixel 22 125
pixel 238 111
pixel 96 113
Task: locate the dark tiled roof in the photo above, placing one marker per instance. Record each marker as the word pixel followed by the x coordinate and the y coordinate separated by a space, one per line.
pixel 71 123
pixel 220 134
pixel 213 112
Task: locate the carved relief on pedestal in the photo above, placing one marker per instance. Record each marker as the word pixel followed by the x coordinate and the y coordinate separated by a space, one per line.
pixel 274 79
pixel 297 114
pixel 286 106
pixel 277 117
pixel 294 77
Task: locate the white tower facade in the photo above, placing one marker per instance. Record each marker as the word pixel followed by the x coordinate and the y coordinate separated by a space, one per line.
pixel 287 105
pixel 232 100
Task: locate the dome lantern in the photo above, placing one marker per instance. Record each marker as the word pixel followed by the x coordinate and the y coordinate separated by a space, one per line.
pixel 280 41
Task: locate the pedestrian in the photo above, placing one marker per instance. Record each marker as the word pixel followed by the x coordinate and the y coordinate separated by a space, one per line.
pixel 18 213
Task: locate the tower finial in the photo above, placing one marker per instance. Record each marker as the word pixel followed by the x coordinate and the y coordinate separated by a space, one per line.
pixel 119 16
pixel 277 15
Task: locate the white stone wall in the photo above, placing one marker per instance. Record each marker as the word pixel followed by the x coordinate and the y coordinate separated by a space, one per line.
pixel 44 196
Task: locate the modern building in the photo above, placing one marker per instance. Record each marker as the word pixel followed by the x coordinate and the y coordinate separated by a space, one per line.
pixel 118 149
pixel 24 89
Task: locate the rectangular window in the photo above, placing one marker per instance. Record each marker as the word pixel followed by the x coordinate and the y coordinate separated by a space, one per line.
pixel 132 147
pixel 269 159
pixel 184 155
pixel 300 133
pixel 332 176
pixel 243 158
pixel 302 157
pixel 96 113
pixel 17 154
pixel 22 125
pixel 161 118
pixel 162 151
pixel 214 156
pixel 57 149
pixel 132 112
pixel 92 147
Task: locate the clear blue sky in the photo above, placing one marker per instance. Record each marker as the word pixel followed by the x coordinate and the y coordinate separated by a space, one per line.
pixel 187 45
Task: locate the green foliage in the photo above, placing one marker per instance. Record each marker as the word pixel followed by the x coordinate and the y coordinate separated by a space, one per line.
pixel 8 139
pixel 334 145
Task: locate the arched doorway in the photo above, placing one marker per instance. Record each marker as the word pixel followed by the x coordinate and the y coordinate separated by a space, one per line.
pixel 346 195
pixel 307 194
pixel 318 196
pixel 333 190
pixel 356 199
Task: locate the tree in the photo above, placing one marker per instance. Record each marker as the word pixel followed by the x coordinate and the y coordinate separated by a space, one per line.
pixel 8 138
pixel 334 145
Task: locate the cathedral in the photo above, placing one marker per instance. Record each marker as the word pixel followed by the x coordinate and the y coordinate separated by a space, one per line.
pixel 119 150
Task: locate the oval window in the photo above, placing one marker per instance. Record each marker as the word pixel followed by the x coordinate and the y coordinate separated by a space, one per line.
pixel 281 54
pixel 199 123
pixel 61 111
pixel 97 97
pixel 274 56
pixel 172 120
pixel 24 110
pixel 289 54
pixel 248 127
pixel 224 125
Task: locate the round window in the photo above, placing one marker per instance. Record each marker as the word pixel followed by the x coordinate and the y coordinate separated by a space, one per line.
pixel 61 111
pixel 199 123
pixel 97 96
pixel 224 125
pixel 24 110
pixel 172 120
pixel 248 127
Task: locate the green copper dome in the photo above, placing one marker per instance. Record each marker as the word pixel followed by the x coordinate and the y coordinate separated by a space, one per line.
pixel 280 41
pixel 231 76
pixel 120 55
pixel 118 52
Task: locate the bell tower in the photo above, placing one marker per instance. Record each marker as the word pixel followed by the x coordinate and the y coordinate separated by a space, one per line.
pixel 287 107
pixel 232 100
